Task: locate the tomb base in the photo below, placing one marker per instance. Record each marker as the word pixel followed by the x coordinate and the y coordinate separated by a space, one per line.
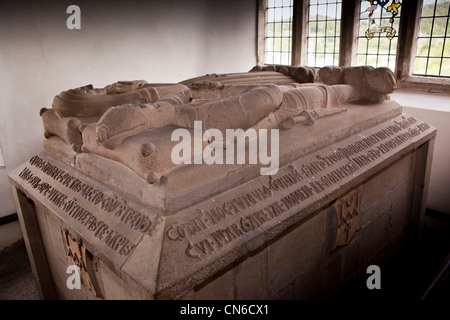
pixel 349 193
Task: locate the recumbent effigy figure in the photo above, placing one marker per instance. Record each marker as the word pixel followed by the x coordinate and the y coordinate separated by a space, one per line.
pixel 243 106
pixel 236 105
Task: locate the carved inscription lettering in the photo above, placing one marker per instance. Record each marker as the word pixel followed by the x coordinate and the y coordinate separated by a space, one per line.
pixel 111 204
pixel 211 229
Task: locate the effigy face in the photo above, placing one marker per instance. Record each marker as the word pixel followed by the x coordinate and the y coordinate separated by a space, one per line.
pixel 164 187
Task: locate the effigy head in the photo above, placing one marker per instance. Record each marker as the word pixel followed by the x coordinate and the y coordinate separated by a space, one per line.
pixel 300 74
pixel 89 91
pixel 125 86
pixel 331 75
pixel 201 91
pixel 371 84
pixel 380 80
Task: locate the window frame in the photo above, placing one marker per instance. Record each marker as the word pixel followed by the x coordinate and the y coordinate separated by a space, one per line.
pixel 326 38
pixel 406 47
pixel 275 37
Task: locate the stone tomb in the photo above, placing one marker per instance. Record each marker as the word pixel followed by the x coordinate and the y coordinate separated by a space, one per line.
pixel 350 192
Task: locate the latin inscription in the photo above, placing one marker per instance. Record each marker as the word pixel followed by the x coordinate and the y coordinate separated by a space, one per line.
pixel 69 205
pixel 210 229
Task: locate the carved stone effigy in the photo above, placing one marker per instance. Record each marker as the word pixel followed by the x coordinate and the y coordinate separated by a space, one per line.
pixel 346 183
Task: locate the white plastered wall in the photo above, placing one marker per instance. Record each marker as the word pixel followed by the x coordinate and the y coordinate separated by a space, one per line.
pixel 435 110
pixel 157 41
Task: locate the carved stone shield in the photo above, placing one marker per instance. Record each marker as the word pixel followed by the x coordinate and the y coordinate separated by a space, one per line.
pixel 348 216
pixel 78 255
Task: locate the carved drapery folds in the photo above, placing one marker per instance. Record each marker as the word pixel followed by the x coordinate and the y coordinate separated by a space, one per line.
pixel 131 121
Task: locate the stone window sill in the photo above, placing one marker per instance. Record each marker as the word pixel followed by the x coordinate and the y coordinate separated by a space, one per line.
pixel 426 84
pixel 422 100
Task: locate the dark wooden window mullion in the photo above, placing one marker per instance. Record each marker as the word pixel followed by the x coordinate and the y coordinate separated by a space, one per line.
pixel 407 36
pixel 445 38
pixel 349 32
pixel 299 32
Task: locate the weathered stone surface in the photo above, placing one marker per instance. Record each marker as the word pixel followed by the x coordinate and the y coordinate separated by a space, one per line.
pixel 203 239
pixel 386 180
pixel 297 250
pixel 56 238
pixel 155 229
pixel 375 235
pixel 58 148
pixel 108 222
pixel 222 288
pixel 250 277
pixel 332 276
pixel 90 101
pixel 399 210
pixel 114 287
pixel 287 293
pixel 351 259
pixel 143 263
pixel 308 284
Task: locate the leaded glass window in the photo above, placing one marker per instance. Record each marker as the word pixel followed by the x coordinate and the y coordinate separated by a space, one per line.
pixel 324 25
pixel 378 33
pixel 278 35
pixel 433 42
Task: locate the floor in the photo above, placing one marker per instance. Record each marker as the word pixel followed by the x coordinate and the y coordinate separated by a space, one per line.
pixel 408 277
pixel 16 279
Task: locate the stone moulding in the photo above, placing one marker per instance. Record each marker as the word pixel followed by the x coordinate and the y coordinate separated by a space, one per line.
pixel 106 176
pixel 198 241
